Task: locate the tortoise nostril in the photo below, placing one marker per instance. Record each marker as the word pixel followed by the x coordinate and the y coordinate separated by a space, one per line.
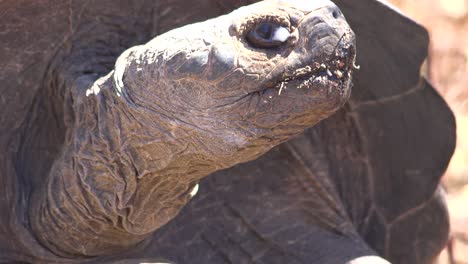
pixel 336 13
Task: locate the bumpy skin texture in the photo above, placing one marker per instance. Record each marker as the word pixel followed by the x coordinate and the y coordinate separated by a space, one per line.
pixel 186 104
pixel 364 179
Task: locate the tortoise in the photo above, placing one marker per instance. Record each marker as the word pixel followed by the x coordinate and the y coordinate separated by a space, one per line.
pixel 219 132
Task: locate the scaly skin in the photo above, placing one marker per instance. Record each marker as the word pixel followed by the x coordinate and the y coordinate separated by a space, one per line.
pixel 190 102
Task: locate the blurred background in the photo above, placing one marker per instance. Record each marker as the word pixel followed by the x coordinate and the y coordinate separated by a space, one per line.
pixel 447 68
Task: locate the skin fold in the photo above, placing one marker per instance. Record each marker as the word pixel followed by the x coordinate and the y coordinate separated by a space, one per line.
pixel 188 103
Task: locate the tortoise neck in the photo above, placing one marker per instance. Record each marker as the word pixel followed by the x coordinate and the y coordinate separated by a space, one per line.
pixel 118 178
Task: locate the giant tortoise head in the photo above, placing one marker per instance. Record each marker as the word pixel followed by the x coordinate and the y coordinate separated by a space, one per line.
pixel 221 131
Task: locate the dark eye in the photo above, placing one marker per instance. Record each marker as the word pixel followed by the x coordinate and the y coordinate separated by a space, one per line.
pixel 267 36
pixel 264 30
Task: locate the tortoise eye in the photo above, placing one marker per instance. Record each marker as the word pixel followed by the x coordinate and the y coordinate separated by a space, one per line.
pixel 267 36
pixel 265 30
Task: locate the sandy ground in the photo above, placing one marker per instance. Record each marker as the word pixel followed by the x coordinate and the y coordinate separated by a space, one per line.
pixel 447 22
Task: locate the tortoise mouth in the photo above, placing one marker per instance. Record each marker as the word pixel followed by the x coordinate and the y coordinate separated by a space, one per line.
pixel 332 73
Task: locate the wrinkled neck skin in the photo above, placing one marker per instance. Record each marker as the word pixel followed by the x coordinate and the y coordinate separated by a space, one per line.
pixel 139 139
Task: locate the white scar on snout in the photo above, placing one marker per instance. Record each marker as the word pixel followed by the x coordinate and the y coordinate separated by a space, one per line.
pixel 194 191
pixel 281 34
